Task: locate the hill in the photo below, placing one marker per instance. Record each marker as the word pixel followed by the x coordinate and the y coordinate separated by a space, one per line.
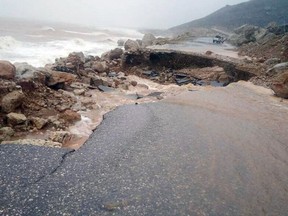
pixel 254 12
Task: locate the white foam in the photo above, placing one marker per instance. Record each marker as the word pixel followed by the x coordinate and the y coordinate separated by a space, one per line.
pixel 51 46
pixel 7 42
pixel 47 28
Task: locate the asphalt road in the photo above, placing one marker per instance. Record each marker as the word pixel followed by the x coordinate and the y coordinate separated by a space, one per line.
pixel 215 152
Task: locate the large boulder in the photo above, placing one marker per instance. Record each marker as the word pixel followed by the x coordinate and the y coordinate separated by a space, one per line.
pixel 100 67
pixel 280 85
pixel 11 101
pixel 24 70
pixel 148 40
pixel 58 80
pixel 76 57
pixel 131 45
pixel 115 53
pixel 16 119
pixel 72 64
pixel 7 70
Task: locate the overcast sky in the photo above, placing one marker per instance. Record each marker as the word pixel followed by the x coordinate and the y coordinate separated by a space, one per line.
pixel 114 13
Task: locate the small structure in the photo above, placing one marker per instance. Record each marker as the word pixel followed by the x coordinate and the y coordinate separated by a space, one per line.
pixel 218 39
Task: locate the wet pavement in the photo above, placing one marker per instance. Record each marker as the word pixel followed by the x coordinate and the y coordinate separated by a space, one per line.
pixel 209 151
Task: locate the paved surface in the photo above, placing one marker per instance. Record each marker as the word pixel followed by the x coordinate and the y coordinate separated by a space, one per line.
pixel 213 152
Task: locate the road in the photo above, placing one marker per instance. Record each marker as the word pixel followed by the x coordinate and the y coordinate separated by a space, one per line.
pixel 216 151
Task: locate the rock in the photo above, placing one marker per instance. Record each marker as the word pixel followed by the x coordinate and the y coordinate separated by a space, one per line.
pixel 105 88
pixel 79 91
pixel 148 40
pixel 16 119
pixel 142 86
pixel 37 142
pixel 131 45
pixel 7 86
pixel 277 69
pixel 280 85
pixel 78 56
pixel 71 116
pixel 112 74
pixel 272 61
pixel 27 85
pixel 72 64
pixel 100 66
pixel 134 83
pixel 7 70
pixel 24 70
pixel 58 80
pixel 89 58
pixel 151 73
pixel 120 75
pixel 246 34
pixel 121 42
pixel 60 136
pixel 139 42
pixel 11 101
pixel 96 81
pixel 39 122
pixel 105 56
pixel 115 54
pixel 6 133
pixel 209 52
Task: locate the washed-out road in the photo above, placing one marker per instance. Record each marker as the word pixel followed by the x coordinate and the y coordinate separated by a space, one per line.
pixel 214 151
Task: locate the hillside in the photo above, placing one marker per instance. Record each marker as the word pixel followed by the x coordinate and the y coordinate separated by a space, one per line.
pixel 255 12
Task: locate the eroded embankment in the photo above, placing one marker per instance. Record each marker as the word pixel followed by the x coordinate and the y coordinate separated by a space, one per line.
pixel 164 62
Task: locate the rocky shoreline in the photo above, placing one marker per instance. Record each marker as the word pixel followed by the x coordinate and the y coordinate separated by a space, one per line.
pixel 61 104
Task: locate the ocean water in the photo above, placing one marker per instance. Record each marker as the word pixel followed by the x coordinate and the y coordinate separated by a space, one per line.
pixel 39 44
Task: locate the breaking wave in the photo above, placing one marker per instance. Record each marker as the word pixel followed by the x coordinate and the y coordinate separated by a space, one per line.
pixel 42 46
pixel 41 53
pixel 7 42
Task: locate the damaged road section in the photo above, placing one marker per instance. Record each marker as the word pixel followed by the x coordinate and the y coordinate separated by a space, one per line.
pixel 165 66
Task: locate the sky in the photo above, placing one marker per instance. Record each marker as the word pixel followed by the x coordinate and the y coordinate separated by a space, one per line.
pixel 160 14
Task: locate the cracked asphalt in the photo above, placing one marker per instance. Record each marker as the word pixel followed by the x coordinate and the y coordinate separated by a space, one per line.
pixel 213 152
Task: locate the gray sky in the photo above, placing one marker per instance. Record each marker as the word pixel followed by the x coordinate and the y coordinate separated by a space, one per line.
pixel 114 13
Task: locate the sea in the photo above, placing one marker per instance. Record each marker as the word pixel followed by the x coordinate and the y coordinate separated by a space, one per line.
pixel 39 43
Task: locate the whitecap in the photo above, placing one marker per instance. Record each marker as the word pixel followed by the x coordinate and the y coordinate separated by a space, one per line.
pixel 47 28
pixel 7 42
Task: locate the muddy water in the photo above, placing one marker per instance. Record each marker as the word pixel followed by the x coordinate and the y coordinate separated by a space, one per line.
pixel 102 103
